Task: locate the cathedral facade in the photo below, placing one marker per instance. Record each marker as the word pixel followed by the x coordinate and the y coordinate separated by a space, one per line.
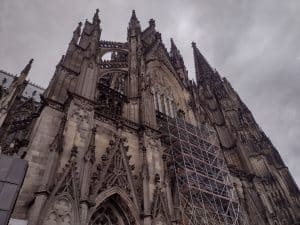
pixel 132 140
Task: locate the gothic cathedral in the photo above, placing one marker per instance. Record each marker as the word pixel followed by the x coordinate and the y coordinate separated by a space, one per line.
pixel 131 140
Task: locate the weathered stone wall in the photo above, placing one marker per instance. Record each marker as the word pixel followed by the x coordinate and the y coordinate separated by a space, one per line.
pixel 93 157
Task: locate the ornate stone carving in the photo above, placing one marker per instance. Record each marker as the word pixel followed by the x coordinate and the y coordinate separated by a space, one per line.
pixel 62 207
pixel 153 79
pixel 16 127
pixel 115 169
pixel 61 213
pixel 159 208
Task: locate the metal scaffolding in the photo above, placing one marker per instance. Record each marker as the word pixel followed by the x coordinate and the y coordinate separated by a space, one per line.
pixel 205 193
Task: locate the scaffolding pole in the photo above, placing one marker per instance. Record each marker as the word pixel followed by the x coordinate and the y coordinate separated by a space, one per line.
pixel 205 192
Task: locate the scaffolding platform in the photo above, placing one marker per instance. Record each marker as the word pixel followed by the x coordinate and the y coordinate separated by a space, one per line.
pixel 205 192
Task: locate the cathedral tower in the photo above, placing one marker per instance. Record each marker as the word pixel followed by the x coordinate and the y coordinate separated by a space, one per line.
pixel 131 141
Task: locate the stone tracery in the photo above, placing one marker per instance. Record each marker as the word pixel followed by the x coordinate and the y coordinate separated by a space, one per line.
pixel 120 97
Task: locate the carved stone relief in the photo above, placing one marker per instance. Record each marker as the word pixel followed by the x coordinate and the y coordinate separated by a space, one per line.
pixel 60 213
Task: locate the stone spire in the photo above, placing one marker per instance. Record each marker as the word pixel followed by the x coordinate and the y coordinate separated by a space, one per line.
pixel 96 19
pixel 203 69
pixel 176 56
pixel 134 22
pixel 152 23
pixel 15 89
pixel 91 33
pixel 178 63
pixel 76 33
pixel 96 23
pixel 22 78
pixel 173 46
pixel 27 68
pixel 134 26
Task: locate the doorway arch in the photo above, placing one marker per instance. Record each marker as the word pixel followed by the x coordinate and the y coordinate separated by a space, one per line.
pixel 114 207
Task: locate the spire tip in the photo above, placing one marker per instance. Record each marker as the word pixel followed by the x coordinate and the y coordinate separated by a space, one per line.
pixel 172 43
pixel 96 16
pixel 152 22
pixel 27 67
pixel 133 15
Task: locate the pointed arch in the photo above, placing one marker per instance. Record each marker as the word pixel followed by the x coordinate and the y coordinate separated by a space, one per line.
pixel 159 208
pixel 62 205
pixel 104 51
pixel 111 204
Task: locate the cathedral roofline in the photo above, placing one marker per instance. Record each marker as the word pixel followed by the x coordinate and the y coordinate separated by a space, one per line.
pixel 16 76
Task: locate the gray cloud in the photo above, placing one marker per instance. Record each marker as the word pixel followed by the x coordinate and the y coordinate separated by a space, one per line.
pixel 255 44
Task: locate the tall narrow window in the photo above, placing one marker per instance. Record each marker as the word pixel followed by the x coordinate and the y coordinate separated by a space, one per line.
pixel 159 101
pixel 155 100
pixel 163 104
pixel 169 108
pixel 174 109
pixel 166 106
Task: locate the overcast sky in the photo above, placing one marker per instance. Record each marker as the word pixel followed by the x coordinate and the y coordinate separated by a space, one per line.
pixel 254 43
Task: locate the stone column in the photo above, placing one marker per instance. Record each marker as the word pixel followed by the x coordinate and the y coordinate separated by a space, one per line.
pixel 169 190
pixel 89 159
pixel 146 193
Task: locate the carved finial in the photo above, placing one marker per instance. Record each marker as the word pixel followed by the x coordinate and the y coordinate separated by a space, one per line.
pixel 96 17
pixel 174 49
pixel 133 16
pixel 78 28
pixel 172 43
pixel 194 45
pixel 152 23
pixel 27 67
pixel 76 33
pixel 134 22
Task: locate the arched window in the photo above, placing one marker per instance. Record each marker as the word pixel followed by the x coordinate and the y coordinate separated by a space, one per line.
pixel 164 103
pixel 113 211
pixel 158 97
pixel 111 93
